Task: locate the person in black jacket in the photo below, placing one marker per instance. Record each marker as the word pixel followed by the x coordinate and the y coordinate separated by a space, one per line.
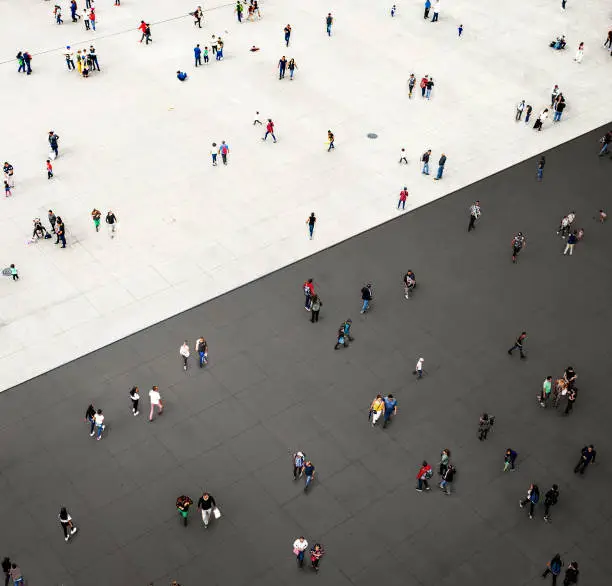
pixel 587 457
pixel 6 568
pixel 366 297
pixel 550 498
pixel 206 504
pixel 571 574
pixel 447 479
pixel 484 425
pixel 89 416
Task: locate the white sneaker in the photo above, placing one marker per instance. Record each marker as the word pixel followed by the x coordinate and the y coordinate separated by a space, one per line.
pixel 67 538
pixel 136 413
pixel 92 434
pixel 74 530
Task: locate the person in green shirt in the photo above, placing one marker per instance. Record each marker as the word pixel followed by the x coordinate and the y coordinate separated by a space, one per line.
pixel 546 389
pixel 239 9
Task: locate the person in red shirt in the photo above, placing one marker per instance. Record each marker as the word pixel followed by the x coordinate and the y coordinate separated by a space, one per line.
pixel 142 28
pixel 425 473
pixel 423 85
pixel 309 293
pixel 269 130
pixel 402 198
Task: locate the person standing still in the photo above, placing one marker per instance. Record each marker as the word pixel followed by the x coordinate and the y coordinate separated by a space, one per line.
pixel 436 11
pixel 52 219
pixel 311 221
pixel 402 198
pixel 197 55
pixel 315 307
pixel 571 242
pixel 53 143
pixel 425 159
pixel 441 164
pixel 309 292
pixel 429 88
pixel 239 10
pixel 184 352
pixel 427 9
pixel 156 401
pixel 519 110
pixel 329 20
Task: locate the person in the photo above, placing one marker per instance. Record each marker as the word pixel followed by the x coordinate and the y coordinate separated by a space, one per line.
pixel 540 168
pixel 602 216
pixel 393 9
pixel 418 369
pixel 474 215
pixel 92 18
pixel 441 164
pixel 444 461
pixel 155 397
pixel 550 499
pixel 484 425
pixel 553 567
pixel 528 111
pixel 316 553
pixel 184 352
pixel 89 417
pixel 60 232
pixel 67 525
pixel 99 422
pixel 509 459
pixel 197 16
pixel 282 65
pixel 39 230
pixel 298 464
pixel 309 291
pixel 197 55
pixel 315 307
pixel 519 110
pixel 605 140
pixel 181 75
pixel 425 159
pixel 16 575
pixel 201 347
pixel 546 390
pixel 340 339
pixel 390 409
pixel 220 45
pixel 287 31
pixel 518 243
pixel 328 23
pixel 460 30
pixel 111 222
pixel 447 479
pixel 300 545
pixel 7 189
pixel 587 456
pixel 311 221
pixel 411 84
pixel 309 472
pixel 436 9
pixel 533 496
pixel 269 130
pixel 206 504
pixel 182 505
pixel 366 297
pixel 330 140
pixel 134 397
pixel 239 10
pixel 570 376
pixel 519 344
pixel 427 9
pixel 224 151
pixel 424 474
pixel 402 198
pixel 292 67
pixel 6 568
pixel 540 120
pixel 53 143
pixel 409 284
pixel 346 328
pixel 377 408
pixel 571 574
pixel 571 242
pixel 429 87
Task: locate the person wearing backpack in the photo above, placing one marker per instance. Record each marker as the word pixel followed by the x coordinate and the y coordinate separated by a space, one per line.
pixel 550 498
pixel 224 151
pixel 424 474
pixel 553 567
pixel 533 496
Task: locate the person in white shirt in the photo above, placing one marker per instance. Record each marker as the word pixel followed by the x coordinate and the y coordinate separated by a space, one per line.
pixel 184 352
pixel 155 401
pixel 436 11
pixel 300 545
pixel 99 423
pixel 418 370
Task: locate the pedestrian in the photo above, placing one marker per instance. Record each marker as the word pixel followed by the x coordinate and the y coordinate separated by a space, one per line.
pixel 418 369
pixel 580 235
pixel 602 216
pixel 571 242
pixel 135 398
pixel 540 120
pixel 93 58
pixel 519 344
pixel 184 352
pixel 377 407
pixel 53 144
pixel 155 397
pixel 447 480
pixel 366 297
pixel 73 9
pixel 346 328
pixel 328 23
pixel 563 3
pixel 300 545
pixel 60 232
pixel 579 53
pixel 559 107
pixel 282 64
pixel 441 164
pixel 519 110
pixel 430 84
pixel 546 390
pixel 17 575
pixel 316 553
pixel 309 291
pixel 330 140
pixel 14 272
pixel 6 568
pixel 409 283
pixel 257 120
pixel 292 67
pixel 213 154
pixel 411 84
pixel 112 223
pixel 315 307
pixel 7 189
pixel 57 11
pixel 99 423
pixel 224 151
pixel 528 111
pixel 79 62
pixel 587 456
pixel 341 339
pixel 311 221
pixel 533 496
pixel 390 409
pixel 197 55
pixel 444 461
pixel 9 174
pixel 287 34
pixel 269 130
pixel 518 243
pixel 474 215
pixel 554 93
pixel 605 140
pixel 550 499
pixel 183 503
pixel 393 9
pixel 427 9
pixel 555 564
pixel 69 55
pixel 460 30
pixel 425 159
pixel 239 9
pixel 86 19
pixel 220 45
pixel 214 43
pixel 571 574
pixel 201 347
pixel 436 11
pixel 540 168
pixel 147 34
pixel 89 418
pixel 206 505
pixel 68 526
pixel 298 463
pixel 92 18
pixel 205 54
pixel 309 472
pixel 142 28
pixel 563 227
pixel 423 476
pixel 197 17
pixel 608 41
pixel 95 216
pixel 509 460
pixel 484 426
pixel 402 198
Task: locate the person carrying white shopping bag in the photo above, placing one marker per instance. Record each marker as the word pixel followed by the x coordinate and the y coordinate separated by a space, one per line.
pixel 208 507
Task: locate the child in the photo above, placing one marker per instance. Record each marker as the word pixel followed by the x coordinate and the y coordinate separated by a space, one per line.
pixel 7 189
pixel 403 158
pixel 14 273
pixel 460 29
pixel 49 169
pixel 257 120
pixel 213 154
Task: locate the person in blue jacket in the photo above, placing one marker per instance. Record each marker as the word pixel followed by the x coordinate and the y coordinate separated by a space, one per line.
pixel 533 496
pixel 197 53
pixel 181 75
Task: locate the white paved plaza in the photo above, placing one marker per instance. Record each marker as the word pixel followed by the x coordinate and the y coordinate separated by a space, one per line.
pixel 137 141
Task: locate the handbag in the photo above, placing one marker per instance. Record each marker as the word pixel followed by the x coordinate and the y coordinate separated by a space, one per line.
pixel 217 513
pixel 296 551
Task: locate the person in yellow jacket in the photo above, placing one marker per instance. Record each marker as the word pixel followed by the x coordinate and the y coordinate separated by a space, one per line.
pixel 376 409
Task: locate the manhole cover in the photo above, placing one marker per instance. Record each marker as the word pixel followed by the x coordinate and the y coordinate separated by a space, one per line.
pixel 372 135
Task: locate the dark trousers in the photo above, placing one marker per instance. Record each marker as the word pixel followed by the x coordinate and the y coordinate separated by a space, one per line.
pixel 569 407
pixel 482 434
pixel 581 466
pixel 49 176
pixel 205 58
pixel 531 505
pixel 281 73
pixel 198 21
pixel 546 572
pixel 148 39
pixel 471 225
pixel 426 15
pixel 435 17
pixel 55 149
pixel 135 405
pixel 520 348
pixel 87 25
pixel 70 64
pixel 314 316
pixel 307 301
pixel 547 506
pixel 198 61
pixel 224 158
pixel 519 113
pixel 62 239
pixel 296 472
pixel 94 63
pixel 66 529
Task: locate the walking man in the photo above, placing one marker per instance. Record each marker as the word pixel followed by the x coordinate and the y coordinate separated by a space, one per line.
pixel 184 352
pixel 474 215
pixel 366 297
pixel 328 23
pixel 69 58
pixel 53 143
pixel 441 164
pixel 390 409
pixel 287 34
pixel 206 504
pixel 436 9
pixel 587 456
pixel 311 221
pixel 550 499
pixel 201 348
pixel 282 65
pixel 156 401
pixel 309 471
pixel 519 344
pixel 509 459
pixel 418 369
pixel 425 159
pixel 224 151
pixel 554 566
pixel 518 243
pixel 403 158
pixel 111 222
pixel 197 17
pixel 427 9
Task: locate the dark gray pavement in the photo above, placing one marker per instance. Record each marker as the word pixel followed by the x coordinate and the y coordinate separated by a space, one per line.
pixel 274 384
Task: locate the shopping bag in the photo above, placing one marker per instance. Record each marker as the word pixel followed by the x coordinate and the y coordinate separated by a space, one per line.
pixel 217 513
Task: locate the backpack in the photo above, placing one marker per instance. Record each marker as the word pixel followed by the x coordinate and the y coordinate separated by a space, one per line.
pixel 429 474
pixel 534 497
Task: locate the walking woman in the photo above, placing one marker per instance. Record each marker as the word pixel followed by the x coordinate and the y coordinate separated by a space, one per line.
pixel 134 397
pixel 553 567
pixel 444 458
pixel 533 496
pixel 292 67
pixel 311 221
pixel 67 525
pixel 316 553
pixel 89 416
